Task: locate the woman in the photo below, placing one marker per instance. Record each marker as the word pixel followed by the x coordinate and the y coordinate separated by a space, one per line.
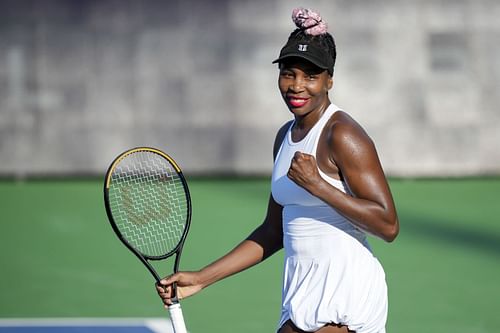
pixel 328 189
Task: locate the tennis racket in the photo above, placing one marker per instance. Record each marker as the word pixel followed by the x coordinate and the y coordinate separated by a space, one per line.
pixel 148 205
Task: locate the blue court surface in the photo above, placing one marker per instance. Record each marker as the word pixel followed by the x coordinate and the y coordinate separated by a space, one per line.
pixel 85 325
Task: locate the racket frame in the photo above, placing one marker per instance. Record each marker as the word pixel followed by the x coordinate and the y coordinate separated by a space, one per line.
pixel 142 257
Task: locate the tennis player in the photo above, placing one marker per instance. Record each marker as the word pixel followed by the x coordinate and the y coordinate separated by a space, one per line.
pixel 328 190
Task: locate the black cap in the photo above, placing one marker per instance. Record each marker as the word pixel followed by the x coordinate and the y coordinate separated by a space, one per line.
pixel 308 51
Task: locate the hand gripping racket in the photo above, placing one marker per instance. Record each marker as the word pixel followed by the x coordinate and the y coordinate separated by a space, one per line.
pixel 148 205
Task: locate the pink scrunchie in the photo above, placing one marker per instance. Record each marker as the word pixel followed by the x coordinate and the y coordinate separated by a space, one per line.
pixel 309 21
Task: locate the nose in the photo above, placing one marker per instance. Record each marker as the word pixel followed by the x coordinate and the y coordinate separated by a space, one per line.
pixel 297 85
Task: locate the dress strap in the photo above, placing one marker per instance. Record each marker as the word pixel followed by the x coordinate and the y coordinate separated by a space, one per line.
pixel 321 124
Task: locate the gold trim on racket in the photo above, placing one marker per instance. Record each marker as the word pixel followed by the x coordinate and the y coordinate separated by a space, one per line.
pixel 144 245
pixel 135 150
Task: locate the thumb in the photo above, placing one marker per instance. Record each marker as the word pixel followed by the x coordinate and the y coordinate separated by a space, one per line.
pixel 169 279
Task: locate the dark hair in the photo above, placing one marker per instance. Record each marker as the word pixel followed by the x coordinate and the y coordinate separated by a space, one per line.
pixel 324 41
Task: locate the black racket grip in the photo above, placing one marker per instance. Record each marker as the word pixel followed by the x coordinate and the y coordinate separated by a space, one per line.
pixel 174 297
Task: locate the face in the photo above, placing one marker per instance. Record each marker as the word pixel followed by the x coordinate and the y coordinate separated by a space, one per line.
pixel 304 86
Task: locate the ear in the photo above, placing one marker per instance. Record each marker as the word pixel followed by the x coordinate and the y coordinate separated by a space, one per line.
pixel 330 82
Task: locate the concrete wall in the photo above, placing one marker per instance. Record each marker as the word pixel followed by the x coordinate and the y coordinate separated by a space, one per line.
pixel 81 81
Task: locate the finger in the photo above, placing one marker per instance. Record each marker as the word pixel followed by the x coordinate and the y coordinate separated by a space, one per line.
pixel 163 282
pixel 170 279
pixel 166 295
pixel 166 302
pixel 297 155
pixel 295 163
pixel 163 290
pixel 160 286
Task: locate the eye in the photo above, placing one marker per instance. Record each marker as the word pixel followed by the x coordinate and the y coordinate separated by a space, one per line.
pixel 286 73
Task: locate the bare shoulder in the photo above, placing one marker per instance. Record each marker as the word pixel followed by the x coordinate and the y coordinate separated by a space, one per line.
pixel 345 130
pixel 349 143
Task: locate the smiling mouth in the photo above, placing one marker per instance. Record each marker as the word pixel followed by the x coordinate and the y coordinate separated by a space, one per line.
pixel 297 102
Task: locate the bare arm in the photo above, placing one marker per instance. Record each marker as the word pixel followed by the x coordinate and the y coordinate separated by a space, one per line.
pixel 263 242
pixel 371 206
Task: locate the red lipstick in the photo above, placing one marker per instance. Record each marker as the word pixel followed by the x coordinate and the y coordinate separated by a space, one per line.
pixel 297 102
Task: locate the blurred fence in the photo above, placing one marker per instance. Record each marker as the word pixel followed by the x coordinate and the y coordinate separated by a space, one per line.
pixel 81 81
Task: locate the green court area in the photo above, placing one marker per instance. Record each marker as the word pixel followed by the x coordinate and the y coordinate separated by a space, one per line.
pixel 60 258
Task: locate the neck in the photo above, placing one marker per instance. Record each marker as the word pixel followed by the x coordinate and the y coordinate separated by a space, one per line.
pixel 306 121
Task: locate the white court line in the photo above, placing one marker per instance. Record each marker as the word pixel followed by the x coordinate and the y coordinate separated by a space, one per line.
pixel 157 325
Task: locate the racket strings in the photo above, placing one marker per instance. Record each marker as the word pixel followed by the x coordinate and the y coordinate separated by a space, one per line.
pixel 148 202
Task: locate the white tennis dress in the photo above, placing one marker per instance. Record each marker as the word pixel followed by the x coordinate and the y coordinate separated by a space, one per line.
pixel 330 273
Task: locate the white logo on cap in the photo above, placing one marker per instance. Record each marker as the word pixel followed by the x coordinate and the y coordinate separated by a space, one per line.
pixel 303 47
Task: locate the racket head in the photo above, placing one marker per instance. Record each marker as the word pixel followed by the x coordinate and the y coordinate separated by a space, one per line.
pixel 148 203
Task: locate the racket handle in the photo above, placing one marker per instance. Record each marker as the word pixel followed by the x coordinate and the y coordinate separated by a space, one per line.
pixel 177 318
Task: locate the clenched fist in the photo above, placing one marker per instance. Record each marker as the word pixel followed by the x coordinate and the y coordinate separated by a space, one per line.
pixel 304 171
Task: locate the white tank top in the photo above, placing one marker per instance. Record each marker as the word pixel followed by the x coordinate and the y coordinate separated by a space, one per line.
pixel 330 274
